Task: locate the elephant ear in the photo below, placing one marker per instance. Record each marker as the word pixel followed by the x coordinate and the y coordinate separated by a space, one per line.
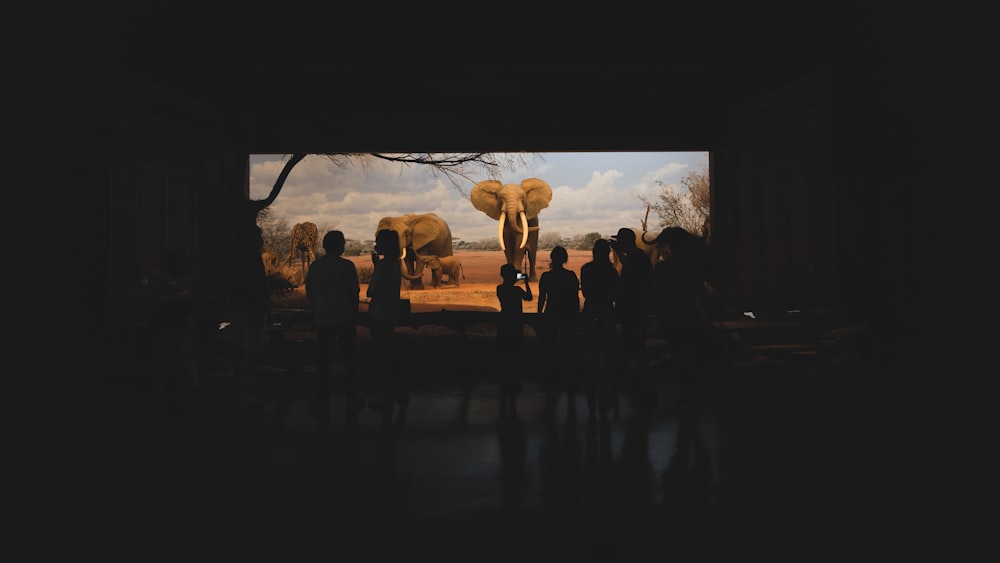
pixel 424 230
pixel 484 197
pixel 537 195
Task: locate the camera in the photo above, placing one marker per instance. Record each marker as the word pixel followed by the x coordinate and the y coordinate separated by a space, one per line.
pixel 521 276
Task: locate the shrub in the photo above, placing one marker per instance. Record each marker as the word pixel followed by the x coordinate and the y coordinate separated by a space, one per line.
pixel 365 274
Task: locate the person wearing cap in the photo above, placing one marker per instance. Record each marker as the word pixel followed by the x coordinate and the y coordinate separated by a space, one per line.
pixel 334 292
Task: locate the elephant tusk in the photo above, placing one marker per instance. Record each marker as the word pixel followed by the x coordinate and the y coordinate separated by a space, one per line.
pixel 403 255
pixel 503 217
pixel 524 229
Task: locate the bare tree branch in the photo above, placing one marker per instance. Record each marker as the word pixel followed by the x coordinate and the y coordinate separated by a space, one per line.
pixel 459 169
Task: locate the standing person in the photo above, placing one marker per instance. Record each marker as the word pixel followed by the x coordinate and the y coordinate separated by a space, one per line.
pixel 679 299
pixel 334 292
pixel 559 306
pixel 251 308
pixel 599 284
pixel 510 329
pixel 383 316
pixel 632 305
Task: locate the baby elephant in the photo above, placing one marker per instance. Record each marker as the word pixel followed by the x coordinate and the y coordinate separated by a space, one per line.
pixel 451 266
pixel 441 266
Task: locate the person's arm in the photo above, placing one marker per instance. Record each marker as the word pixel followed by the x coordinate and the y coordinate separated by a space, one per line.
pixel 527 287
pixel 542 297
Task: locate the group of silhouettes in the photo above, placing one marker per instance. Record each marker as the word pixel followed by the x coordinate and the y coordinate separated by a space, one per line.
pixel 611 326
pixel 333 291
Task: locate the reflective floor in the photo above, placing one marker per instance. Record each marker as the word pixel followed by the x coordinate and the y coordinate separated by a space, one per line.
pixel 756 460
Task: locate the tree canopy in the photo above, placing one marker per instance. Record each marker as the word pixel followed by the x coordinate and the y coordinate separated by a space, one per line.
pixel 688 206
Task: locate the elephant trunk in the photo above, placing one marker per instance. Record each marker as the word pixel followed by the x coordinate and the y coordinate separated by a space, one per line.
pixel 643 238
pixel 418 267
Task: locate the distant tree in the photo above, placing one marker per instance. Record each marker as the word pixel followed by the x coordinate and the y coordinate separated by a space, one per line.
pixel 276 232
pixel 485 244
pixel 354 248
pixel 584 242
pixel 688 206
pixel 549 239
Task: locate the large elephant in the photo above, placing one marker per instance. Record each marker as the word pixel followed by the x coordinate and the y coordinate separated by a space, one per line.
pixel 516 208
pixel 423 234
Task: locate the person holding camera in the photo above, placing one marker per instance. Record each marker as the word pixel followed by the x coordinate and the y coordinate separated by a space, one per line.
pixel 510 329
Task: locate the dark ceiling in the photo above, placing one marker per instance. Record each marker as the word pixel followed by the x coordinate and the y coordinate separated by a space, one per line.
pixel 370 78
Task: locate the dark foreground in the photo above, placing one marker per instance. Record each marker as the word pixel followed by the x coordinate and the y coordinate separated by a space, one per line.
pixel 761 460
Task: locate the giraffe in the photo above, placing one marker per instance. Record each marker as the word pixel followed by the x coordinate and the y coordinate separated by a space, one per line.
pixel 305 237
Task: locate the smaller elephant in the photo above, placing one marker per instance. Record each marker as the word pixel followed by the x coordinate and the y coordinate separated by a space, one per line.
pixel 420 262
pixel 442 266
pixel 451 267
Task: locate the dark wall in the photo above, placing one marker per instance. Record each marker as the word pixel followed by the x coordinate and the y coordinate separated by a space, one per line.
pixel 830 151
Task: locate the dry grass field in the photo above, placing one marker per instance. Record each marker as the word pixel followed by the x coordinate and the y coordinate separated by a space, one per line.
pixel 476 291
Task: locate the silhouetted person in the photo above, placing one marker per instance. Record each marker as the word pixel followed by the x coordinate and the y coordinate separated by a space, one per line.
pixel 679 292
pixel 632 303
pixel 383 316
pixel 559 307
pixel 599 285
pixel 251 306
pixel 173 321
pixel 510 328
pixel 334 292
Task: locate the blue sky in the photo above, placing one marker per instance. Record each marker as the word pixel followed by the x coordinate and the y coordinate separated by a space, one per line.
pixel 592 192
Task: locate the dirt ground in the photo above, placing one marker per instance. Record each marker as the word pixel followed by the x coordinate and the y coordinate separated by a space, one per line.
pixel 476 291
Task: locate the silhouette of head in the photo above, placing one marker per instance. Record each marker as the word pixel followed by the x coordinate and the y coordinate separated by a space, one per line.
pixel 601 249
pixel 559 256
pixel 508 272
pixel 333 243
pixel 625 237
pixel 387 243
